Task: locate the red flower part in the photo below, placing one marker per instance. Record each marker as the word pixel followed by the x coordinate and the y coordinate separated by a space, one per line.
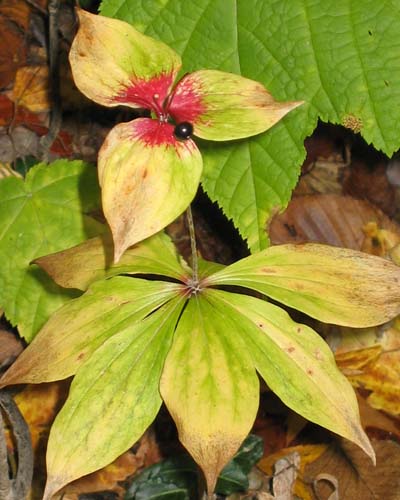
pixel 151 94
pixel 153 132
pixel 186 103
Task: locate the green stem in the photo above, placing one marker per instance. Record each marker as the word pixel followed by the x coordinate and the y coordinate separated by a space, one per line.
pixel 195 262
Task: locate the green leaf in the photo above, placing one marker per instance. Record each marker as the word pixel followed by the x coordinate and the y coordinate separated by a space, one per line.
pixel 296 364
pixel 77 329
pixel 42 214
pixel 334 285
pixel 210 390
pixel 251 451
pixel 340 56
pixel 174 478
pixel 92 260
pixel 113 399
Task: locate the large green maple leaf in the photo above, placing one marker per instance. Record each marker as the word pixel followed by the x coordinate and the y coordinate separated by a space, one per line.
pixel 342 57
pixel 46 212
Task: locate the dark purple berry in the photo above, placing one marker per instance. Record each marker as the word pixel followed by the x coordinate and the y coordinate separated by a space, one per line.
pixel 183 130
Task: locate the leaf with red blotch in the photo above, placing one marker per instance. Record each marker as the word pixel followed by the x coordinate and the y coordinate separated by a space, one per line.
pixel 113 64
pixel 148 178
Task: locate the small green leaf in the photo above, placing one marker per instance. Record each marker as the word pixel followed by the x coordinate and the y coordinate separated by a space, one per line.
pixel 251 451
pixel 147 177
pixel 296 364
pixel 92 260
pixel 42 214
pixel 113 399
pixel 174 478
pixel 334 285
pixel 177 477
pixel 209 388
pixel 76 330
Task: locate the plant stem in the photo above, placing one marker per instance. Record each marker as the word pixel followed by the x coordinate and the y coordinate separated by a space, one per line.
pixel 195 262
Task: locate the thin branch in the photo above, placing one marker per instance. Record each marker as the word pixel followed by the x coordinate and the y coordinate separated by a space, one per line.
pixel 18 487
pixel 195 261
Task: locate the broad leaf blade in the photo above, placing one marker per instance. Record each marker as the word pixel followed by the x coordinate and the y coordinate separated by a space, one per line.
pixel 339 56
pixel 76 330
pixel 43 214
pixel 209 388
pixel 296 364
pixel 113 64
pixel 147 177
pixel 92 260
pixel 334 285
pixel 113 399
pixel 223 106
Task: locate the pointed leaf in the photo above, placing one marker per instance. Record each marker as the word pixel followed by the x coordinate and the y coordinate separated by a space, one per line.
pixel 223 106
pixel 92 260
pixel 113 399
pixel 209 386
pixel 340 56
pixel 334 285
pixel 76 330
pixel 113 64
pixel 43 213
pixel 148 178
pixel 296 364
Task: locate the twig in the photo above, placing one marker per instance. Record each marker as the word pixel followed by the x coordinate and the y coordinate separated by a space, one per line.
pixel 54 71
pixel 17 488
pixel 195 262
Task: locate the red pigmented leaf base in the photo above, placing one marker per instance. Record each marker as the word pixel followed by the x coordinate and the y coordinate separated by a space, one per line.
pixel 149 94
pixel 186 103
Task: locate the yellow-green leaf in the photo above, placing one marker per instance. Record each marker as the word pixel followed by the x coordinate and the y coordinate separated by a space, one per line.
pixel 296 364
pixel 210 386
pixel 148 178
pixel 113 399
pixel 224 106
pixel 334 285
pixel 113 64
pixel 92 260
pixel 78 328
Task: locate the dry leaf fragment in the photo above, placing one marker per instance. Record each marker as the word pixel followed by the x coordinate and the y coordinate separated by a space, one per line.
pixel 31 88
pixel 332 219
pixel 357 477
pixel 285 472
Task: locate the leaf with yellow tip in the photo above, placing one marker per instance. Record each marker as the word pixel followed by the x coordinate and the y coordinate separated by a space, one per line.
pixel 113 63
pixel 224 106
pixel 210 386
pixel 296 364
pixel 113 399
pixel 79 266
pixel 148 178
pixel 333 285
pixel 78 328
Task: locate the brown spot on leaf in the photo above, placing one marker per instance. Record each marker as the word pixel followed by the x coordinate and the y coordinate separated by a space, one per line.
pixel 310 372
pixel 353 123
pixel 268 270
pixel 290 349
pixel 318 354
